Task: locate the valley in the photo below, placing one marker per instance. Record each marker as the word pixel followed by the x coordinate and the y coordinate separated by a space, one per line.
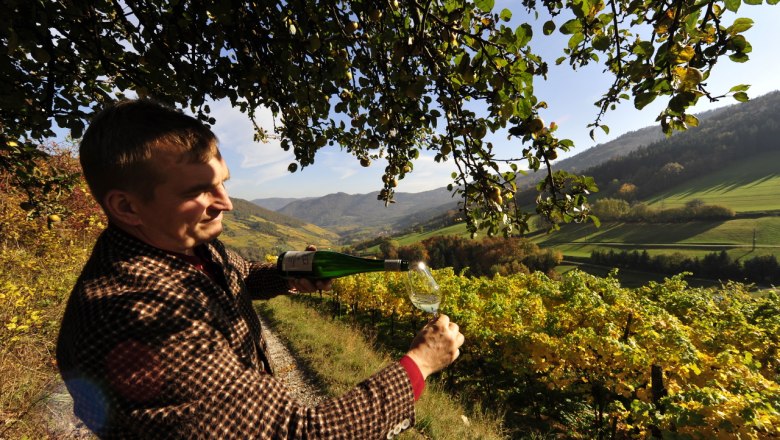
pixel 730 161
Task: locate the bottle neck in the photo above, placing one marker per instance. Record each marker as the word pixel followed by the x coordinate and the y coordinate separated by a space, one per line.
pixel 396 265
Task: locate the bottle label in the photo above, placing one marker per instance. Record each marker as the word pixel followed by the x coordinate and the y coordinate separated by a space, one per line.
pixel 298 261
pixel 393 265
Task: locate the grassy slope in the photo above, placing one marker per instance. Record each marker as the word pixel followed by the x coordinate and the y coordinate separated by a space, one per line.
pixel 341 358
pixel 752 185
pixel 748 186
pixel 284 238
pixel 252 227
pixel 729 232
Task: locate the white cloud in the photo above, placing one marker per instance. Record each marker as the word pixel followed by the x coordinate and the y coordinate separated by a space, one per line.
pixel 236 132
pixel 263 154
pixel 341 164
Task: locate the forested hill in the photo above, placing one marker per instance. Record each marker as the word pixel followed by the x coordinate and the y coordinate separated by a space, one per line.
pixel 340 211
pixel 722 139
pixel 623 145
pixel 277 203
pixel 256 232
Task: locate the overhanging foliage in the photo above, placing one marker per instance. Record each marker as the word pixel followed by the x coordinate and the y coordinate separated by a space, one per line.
pixel 381 79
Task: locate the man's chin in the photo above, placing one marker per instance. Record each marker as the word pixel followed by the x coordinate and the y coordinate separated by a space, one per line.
pixel 211 230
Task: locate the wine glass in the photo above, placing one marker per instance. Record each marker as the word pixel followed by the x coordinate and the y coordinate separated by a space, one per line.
pixel 423 289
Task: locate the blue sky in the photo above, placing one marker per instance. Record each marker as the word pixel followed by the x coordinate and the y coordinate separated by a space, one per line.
pixel 260 170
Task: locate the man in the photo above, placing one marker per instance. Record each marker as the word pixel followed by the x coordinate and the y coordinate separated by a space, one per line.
pixel 159 338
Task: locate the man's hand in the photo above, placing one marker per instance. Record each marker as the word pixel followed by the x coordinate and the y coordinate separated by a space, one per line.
pixel 305 285
pixel 436 345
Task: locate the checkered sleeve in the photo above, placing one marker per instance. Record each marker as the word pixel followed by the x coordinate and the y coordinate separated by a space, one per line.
pixel 176 377
pixel 262 279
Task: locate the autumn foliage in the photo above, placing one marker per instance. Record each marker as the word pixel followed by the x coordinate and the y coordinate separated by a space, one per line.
pixel 42 249
pixel 586 358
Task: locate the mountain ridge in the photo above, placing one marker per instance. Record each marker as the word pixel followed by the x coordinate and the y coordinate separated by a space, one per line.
pixel 362 215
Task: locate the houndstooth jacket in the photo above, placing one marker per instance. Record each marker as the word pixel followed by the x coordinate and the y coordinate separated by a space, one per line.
pixel 151 347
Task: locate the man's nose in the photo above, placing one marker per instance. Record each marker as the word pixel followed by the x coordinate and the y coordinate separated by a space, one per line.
pixel 222 200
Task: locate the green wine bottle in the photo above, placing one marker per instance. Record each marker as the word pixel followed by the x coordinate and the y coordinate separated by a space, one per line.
pixel 328 264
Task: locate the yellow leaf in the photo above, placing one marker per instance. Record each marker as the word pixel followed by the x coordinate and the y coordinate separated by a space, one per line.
pixel 691 121
pixel 685 55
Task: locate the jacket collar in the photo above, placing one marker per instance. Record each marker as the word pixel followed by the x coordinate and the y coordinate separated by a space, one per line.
pixel 132 247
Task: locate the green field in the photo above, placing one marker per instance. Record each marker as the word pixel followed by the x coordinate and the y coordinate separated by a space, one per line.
pixel 751 185
pixel 692 238
pixel 750 188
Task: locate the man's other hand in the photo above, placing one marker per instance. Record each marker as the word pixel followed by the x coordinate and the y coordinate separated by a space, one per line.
pixel 436 345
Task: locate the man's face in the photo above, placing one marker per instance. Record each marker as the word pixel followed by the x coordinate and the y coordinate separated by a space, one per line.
pixel 187 207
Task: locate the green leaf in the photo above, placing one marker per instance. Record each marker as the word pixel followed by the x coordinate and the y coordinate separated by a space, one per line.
pixel 576 39
pixel 549 27
pixel 740 25
pixel 595 220
pixel 642 99
pixel 733 5
pixel 605 129
pixel 644 48
pixel 682 101
pixel 590 183
pixel 485 5
pixel 741 97
pixel 753 2
pixel 571 27
pixel 506 15
pixel 740 88
pixel 524 33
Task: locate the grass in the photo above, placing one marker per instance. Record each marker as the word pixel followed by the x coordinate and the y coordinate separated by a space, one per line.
pixel 747 186
pixel 737 232
pixel 693 238
pixel 341 357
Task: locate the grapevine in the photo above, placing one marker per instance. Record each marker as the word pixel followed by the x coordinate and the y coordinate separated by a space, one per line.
pixel 603 360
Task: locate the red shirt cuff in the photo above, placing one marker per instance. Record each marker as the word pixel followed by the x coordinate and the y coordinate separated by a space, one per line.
pixel 415 376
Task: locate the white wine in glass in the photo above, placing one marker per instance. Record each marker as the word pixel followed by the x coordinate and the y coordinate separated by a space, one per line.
pixel 423 289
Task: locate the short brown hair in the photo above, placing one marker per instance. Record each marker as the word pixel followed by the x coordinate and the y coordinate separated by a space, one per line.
pixel 119 147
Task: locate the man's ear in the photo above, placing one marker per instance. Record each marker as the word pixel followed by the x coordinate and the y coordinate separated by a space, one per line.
pixel 123 207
